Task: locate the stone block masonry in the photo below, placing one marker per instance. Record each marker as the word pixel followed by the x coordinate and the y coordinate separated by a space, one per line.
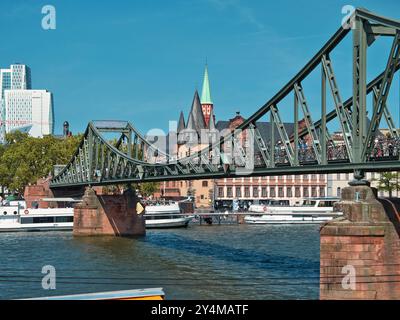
pixel 108 215
pixel 367 239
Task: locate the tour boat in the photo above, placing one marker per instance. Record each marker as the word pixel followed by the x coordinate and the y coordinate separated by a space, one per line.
pixel 19 218
pixel 166 216
pixel 312 210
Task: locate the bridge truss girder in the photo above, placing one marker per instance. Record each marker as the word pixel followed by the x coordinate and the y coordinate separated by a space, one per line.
pixel 134 159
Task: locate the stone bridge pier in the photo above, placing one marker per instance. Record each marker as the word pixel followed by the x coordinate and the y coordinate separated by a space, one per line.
pixel 360 253
pixel 108 215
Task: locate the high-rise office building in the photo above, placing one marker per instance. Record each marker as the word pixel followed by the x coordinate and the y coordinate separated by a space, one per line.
pixel 22 108
pixel 30 111
pixel 17 77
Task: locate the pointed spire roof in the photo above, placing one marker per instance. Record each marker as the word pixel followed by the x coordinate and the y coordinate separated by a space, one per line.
pixel 190 123
pixel 190 131
pixel 196 114
pixel 206 94
pixel 181 122
pixel 211 124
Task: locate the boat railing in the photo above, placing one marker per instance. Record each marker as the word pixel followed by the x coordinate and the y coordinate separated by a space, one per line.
pixel 277 213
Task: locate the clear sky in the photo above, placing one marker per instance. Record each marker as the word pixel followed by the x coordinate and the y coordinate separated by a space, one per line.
pixel 142 60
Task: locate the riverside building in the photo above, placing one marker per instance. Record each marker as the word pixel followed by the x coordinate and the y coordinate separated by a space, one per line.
pixel 288 189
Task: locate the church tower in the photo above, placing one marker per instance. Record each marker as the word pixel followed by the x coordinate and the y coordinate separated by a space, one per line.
pixel 206 102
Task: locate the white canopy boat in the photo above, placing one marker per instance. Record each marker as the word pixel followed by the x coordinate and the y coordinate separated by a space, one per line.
pixel 312 210
pixel 166 216
pixel 19 218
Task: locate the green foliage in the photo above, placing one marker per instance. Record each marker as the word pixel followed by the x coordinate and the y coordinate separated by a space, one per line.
pixel 24 159
pixel 149 188
pixel 113 189
pixel 388 182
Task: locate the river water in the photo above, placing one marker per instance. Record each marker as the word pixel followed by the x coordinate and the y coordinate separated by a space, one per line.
pixel 200 262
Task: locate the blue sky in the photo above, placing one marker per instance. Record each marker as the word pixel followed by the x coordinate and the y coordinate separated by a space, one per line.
pixel 142 60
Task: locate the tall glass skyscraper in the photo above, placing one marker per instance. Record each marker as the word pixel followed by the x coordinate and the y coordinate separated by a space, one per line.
pixel 17 77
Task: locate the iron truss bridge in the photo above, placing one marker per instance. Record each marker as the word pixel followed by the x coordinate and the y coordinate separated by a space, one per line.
pixel 245 151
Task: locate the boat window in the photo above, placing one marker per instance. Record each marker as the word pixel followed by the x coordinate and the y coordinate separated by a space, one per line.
pixel 25 220
pixel 160 217
pixel 43 219
pixel 309 203
pixel 326 204
pixel 65 219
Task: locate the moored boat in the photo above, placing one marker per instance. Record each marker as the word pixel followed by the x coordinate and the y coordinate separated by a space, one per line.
pixel 15 218
pixel 312 210
pixel 166 216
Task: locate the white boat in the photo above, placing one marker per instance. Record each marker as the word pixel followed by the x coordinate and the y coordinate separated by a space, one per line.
pixel 311 210
pixel 18 218
pixel 166 216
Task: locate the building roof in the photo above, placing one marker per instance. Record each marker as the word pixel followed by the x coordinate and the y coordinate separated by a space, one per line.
pixel 211 124
pixel 196 114
pixel 206 94
pixel 181 122
pixel 190 125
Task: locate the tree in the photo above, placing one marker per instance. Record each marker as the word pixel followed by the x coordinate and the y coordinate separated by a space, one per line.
pixel 149 188
pixel 113 189
pixel 24 159
pixel 388 182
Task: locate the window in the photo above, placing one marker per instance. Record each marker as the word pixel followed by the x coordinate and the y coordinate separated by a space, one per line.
pixel 321 177
pixel 289 192
pixel 247 192
pixel 43 219
pixel 202 197
pixel 255 192
pixel 280 192
pixel 297 192
pixel 204 183
pixel 322 192
pixel 220 192
pixel 25 220
pixel 313 191
pixel 229 192
pixel 305 176
pixel 338 176
pixel 305 192
pixel 264 192
pixel 313 177
pixel 272 192
pixel 64 219
pixel 338 192
pixel 238 192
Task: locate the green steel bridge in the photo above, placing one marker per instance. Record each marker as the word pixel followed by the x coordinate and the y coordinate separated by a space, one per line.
pixel 244 151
